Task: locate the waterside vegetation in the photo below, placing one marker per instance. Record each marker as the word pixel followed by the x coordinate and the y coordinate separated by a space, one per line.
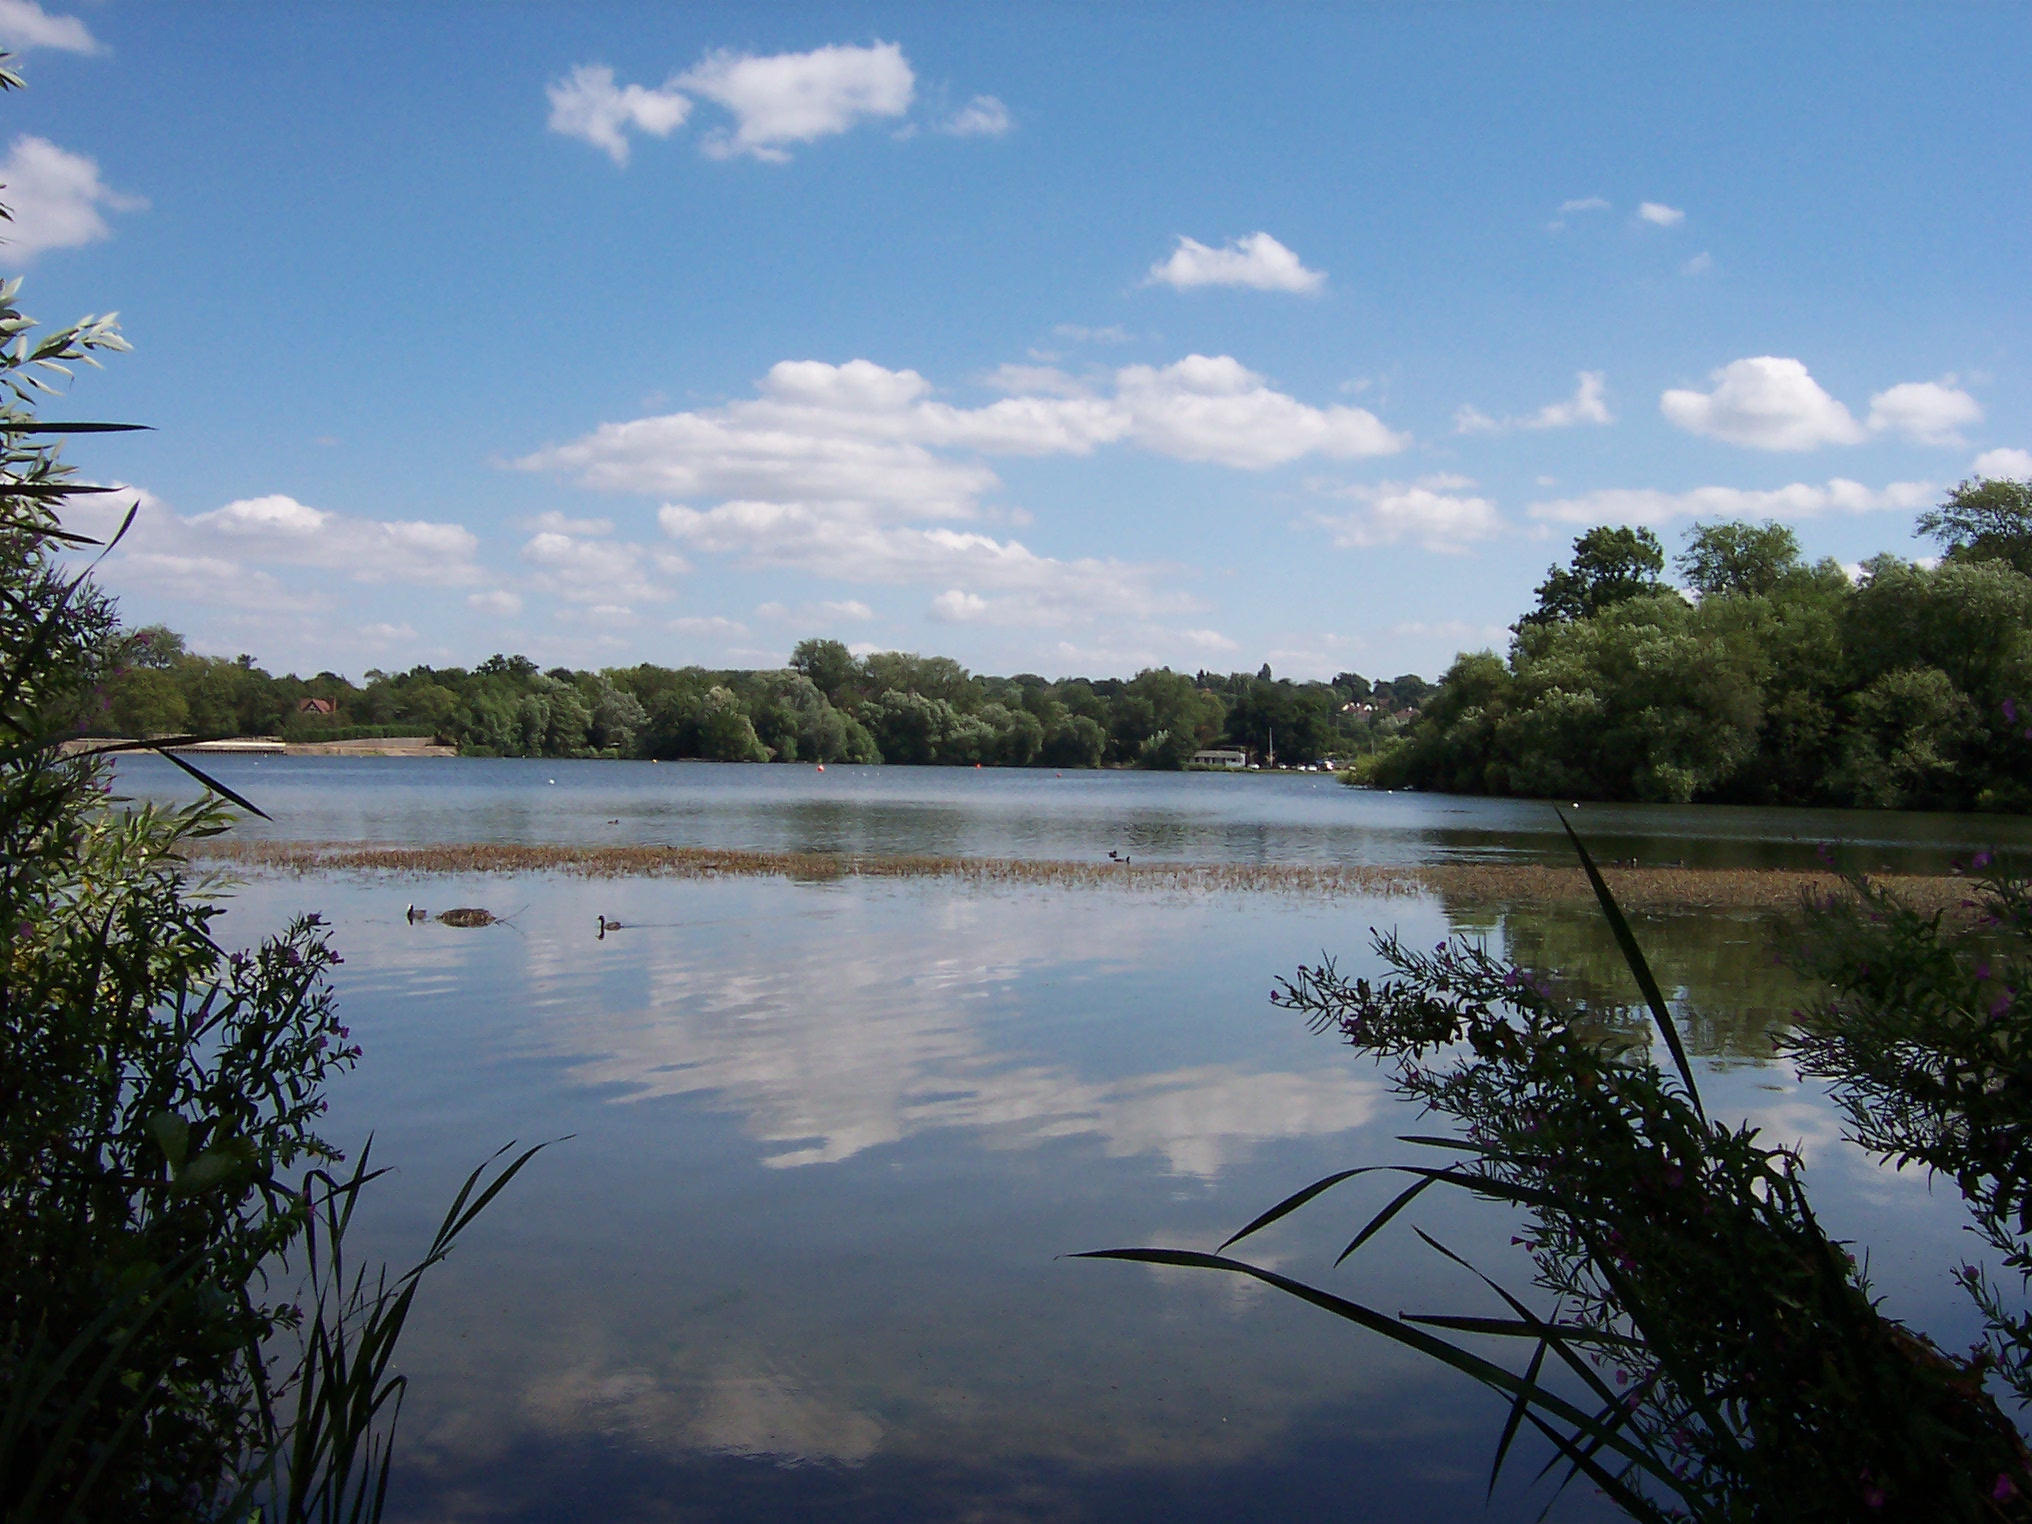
pixel 1694 1344
pixel 1766 681
pixel 181 1335
pixel 828 705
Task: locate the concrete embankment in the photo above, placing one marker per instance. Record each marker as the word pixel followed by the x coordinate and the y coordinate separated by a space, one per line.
pixel 271 746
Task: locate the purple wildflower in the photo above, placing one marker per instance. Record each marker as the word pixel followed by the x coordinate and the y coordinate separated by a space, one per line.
pixel 2004 1490
pixel 2011 711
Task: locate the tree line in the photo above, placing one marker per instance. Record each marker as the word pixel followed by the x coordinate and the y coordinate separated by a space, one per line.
pixel 1759 680
pixel 827 705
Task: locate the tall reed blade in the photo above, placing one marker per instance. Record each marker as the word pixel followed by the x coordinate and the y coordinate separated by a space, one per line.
pixel 1634 956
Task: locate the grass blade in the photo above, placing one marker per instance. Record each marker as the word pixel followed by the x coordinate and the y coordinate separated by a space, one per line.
pixel 1292 1203
pixel 1634 956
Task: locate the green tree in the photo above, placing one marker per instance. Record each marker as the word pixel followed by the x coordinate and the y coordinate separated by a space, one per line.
pixel 1986 519
pixel 1744 560
pixel 145 702
pixel 827 663
pixel 1610 565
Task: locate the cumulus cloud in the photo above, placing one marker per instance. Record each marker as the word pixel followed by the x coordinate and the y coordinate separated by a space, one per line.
pixel 863 434
pixel 1583 204
pixel 588 105
pixel 836 469
pixel 1800 500
pixel 1213 408
pixel 776 101
pixel 1658 214
pixel 1925 412
pixel 2015 464
pixel 231 556
pixel 847 608
pixel 496 600
pixel 601 573
pixel 981 117
pixel 1700 264
pixel 1588 404
pixel 57 197
pixel 789 98
pixel 956 607
pixel 25 25
pixel 1258 261
pixel 1763 403
pixel 830 540
pixel 1434 513
pixel 280 530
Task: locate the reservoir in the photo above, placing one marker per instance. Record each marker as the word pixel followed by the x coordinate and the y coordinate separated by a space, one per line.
pixel 826 1144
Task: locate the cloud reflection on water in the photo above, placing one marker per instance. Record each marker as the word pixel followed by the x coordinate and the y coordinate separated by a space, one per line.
pixel 830 1047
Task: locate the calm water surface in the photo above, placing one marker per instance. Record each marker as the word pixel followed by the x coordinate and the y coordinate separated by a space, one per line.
pixel 801 1256
pixel 1007 812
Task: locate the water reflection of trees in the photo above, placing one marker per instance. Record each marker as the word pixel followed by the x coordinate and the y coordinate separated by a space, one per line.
pixel 1721 972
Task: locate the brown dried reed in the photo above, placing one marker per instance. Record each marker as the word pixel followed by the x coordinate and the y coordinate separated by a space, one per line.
pixel 1481 883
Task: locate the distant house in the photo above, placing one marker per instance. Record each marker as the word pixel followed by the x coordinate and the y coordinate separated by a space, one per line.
pixel 1221 756
pixel 317 706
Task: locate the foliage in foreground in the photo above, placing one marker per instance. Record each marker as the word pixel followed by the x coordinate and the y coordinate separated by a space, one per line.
pixel 158 1099
pixel 1709 1352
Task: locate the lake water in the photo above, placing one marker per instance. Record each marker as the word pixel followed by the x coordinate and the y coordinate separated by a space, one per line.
pixel 801 1257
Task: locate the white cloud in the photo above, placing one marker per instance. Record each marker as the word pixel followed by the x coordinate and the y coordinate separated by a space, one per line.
pixel 835 469
pixel 562 523
pixel 1700 264
pixel 280 530
pixel 1432 513
pixel 602 573
pixel 864 435
pixel 1258 261
pixel 230 557
pixel 1206 640
pixel 1925 412
pixel 789 98
pixel 1213 408
pixel 1800 500
pixel 587 105
pixel 25 25
pixel 57 199
pixel 1587 405
pixel 847 608
pixel 981 117
pixel 956 607
pixel 2015 464
pixel 1583 204
pixel 1658 214
pixel 1764 403
pixel 708 624
pixel 1029 380
pixel 495 600
pixel 383 633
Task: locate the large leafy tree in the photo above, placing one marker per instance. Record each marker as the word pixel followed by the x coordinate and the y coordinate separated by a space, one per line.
pixel 1610 565
pixel 1984 519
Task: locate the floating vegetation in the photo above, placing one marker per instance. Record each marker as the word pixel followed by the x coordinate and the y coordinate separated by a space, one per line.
pixel 467 915
pixel 1477 883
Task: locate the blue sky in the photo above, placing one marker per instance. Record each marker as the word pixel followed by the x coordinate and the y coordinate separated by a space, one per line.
pixel 1060 339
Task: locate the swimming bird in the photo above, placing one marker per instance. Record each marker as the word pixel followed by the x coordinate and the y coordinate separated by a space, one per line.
pixel 605 927
pixel 1119 857
pixel 416 915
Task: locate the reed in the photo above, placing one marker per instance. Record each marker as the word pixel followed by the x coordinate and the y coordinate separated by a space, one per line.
pixel 1647 889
